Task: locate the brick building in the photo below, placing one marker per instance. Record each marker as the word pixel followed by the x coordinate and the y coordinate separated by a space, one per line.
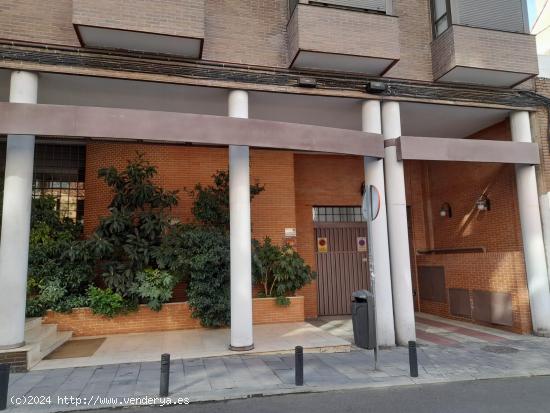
pixel 435 103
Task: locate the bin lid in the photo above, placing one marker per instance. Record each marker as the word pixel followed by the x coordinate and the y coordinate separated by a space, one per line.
pixel 361 294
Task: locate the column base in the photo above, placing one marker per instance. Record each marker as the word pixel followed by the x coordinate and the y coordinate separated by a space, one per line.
pixel 243 348
pixel 12 346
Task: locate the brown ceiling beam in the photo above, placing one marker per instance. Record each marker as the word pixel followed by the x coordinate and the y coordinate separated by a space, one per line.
pixel 467 150
pixel 153 126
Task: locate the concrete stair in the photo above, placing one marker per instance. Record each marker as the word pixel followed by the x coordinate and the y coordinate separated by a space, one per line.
pixel 42 339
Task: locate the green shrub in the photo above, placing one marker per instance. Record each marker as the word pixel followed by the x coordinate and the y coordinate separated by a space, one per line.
pixel 35 307
pixel 211 203
pixel 280 270
pixel 200 255
pixel 60 265
pixel 69 302
pixel 106 302
pixel 126 239
pixel 154 287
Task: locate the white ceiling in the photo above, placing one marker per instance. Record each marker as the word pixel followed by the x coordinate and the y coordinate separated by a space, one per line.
pixel 418 119
pixel 474 76
pixel 341 63
pixel 101 37
pixel 446 121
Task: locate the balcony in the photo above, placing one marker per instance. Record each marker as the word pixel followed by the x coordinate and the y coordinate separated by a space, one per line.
pixel 342 39
pixel 173 27
pixel 484 57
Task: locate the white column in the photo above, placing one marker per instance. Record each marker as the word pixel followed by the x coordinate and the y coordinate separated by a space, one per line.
pixel 16 217
pixel 403 307
pixel 544 201
pixel 374 175
pixel 240 233
pixel 531 230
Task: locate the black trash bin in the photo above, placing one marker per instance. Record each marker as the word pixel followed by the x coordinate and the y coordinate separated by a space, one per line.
pixel 362 313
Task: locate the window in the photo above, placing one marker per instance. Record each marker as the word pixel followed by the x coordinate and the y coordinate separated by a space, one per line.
pixel 441 16
pixel 337 214
pixel 59 172
pixel 291 6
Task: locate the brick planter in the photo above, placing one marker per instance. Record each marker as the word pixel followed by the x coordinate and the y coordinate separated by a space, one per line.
pixel 173 316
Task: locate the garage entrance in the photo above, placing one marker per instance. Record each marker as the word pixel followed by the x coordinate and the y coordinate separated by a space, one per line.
pixel 341 255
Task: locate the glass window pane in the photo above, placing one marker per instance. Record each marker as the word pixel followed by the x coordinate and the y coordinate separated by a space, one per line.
pixel 441 26
pixel 440 8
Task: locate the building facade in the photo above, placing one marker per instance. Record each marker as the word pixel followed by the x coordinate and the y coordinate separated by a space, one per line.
pixel 433 102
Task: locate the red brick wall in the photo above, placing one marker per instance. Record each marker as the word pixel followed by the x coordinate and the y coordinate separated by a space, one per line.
pixel 501 269
pixel 170 17
pixel 493 271
pixel 322 180
pixel 177 316
pixel 38 21
pixel 181 167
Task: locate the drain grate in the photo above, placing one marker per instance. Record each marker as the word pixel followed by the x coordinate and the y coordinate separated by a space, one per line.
pixel 500 349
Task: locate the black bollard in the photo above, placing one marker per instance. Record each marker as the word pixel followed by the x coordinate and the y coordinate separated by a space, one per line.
pixel 299 365
pixel 164 375
pixel 413 359
pixel 4 381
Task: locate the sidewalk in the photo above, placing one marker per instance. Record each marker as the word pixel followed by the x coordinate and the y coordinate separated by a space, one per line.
pixel 220 378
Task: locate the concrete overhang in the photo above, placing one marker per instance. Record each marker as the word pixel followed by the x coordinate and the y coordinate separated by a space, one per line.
pixel 175 28
pixel 61 121
pixel 353 42
pixel 106 38
pixel 484 57
pixel 467 150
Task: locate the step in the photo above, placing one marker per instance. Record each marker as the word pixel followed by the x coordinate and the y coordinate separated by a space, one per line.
pixel 61 338
pixel 36 354
pixel 43 335
pixel 32 324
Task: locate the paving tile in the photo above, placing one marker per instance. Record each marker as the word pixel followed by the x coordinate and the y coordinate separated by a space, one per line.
pixel 218 375
pixel 227 376
pixel 196 379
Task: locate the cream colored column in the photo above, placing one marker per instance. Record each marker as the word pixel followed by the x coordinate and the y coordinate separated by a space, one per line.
pixel 374 175
pixel 531 230
pixel 403 306
pixel 240 233
pixel 16 220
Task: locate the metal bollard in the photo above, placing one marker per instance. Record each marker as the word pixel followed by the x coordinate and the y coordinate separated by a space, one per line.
pixel 4 381
pixel 164 375
pixel 413 359
pixel 299 365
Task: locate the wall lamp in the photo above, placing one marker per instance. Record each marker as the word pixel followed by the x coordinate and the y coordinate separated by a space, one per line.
pixel 376 87
pixel 446 210
pixel 483 203
pixel 308 82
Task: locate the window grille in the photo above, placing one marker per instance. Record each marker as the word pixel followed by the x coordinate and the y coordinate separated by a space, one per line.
pixel 337 214
pixel 59 171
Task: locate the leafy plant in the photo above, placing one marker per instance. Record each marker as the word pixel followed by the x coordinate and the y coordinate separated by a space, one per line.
pixel 106 302
pixel 201 256
pixel 199 253
pixel 60 265
pixel 211 203
pixel 280 270
pixel 126 239
pixel 155 287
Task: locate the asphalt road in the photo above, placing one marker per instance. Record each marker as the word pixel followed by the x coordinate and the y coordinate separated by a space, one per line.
pixel 524 395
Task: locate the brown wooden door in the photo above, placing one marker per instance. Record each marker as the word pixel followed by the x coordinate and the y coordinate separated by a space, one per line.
pixel 343 268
